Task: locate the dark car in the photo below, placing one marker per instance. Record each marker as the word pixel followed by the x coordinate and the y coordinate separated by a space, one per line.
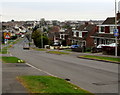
pixel 26 47
pixel 75 46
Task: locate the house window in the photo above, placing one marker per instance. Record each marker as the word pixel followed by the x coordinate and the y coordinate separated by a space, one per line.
pixel 62 36
pixel 107 29
pixel 84 33
pixel 111 29
pixel 77 33
pixel 80 34
pixel 102 29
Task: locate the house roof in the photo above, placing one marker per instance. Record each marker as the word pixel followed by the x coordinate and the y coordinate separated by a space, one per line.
pixel 55 29
pixel 109 20
pixel 89 27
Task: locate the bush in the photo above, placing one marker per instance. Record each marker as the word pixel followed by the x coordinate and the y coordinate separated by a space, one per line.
pixel 94 50
pixel 88 49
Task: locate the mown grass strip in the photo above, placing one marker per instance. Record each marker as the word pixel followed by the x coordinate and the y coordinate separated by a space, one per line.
pixel 102 58
pixel 38 49
pixel 49 84
pixel 11 60
pixel 57 52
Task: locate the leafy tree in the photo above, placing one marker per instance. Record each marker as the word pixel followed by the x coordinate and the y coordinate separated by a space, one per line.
pixel 36 36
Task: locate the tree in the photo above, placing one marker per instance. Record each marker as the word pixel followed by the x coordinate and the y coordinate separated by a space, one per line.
pixel 36 36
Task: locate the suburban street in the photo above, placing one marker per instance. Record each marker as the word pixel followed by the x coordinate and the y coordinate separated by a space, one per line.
pixel 94 76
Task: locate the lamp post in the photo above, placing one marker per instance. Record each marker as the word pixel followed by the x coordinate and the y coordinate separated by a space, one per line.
pixel 116 30
pixel 41 37
pixel 42 26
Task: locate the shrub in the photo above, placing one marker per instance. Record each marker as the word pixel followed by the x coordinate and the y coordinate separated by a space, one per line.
pixel 88 49
pixel 94 50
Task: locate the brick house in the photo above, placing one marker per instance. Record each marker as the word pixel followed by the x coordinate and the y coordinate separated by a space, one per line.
pixel 82 35
pixel 104 32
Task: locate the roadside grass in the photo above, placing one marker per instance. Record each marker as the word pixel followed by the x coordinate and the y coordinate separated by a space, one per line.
pixel 102 58
pixel 15 41
pixel 39 49
pixel 49 84
pixel 57 52
pixel 68 50
pixel 4 50
pixel 11 60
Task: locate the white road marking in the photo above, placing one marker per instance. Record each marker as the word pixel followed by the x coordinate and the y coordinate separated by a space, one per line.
pixel 40 70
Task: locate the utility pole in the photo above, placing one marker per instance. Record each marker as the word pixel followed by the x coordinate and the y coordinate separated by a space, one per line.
pixel 116 30
pixel 42 25
pixel 42 37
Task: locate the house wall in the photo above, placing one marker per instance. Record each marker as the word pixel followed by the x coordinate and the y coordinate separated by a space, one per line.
pixel 89 40
pixel 107 29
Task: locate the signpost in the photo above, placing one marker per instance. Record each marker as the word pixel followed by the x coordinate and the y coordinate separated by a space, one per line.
pixel 6 37
pixel 116 33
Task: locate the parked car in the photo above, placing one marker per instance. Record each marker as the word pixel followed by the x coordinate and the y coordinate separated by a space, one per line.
pixel 26 47
pixel 112 45
pixel 100 45
pixel 56 44
pixel 22 36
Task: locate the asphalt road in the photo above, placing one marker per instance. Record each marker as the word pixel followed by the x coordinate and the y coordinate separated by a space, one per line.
pixel 94 76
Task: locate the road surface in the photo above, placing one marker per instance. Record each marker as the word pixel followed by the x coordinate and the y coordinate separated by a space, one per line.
pixel 94 76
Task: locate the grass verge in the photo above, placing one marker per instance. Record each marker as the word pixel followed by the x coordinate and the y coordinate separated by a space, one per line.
pixel 102 58
pixel 38 49
pixel 11 60
pixel 49 84
pixel 4 50
pixel 57 52
pixel 68 50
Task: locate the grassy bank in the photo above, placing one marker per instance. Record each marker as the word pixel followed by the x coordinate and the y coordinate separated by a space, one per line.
pixel 57 52
pixel 102 58
pixel 48 84
pixel 11 60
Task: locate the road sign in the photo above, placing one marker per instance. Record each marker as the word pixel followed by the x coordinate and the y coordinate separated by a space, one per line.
pixel 7 35
pixel 116 34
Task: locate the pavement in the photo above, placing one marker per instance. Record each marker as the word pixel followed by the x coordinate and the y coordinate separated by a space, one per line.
pixel 10 85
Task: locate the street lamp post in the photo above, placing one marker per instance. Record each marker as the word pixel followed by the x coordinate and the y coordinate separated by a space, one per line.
pixel 42 37
pixel 116 30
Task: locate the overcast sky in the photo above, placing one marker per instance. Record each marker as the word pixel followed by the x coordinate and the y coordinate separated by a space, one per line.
pixel 57 9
